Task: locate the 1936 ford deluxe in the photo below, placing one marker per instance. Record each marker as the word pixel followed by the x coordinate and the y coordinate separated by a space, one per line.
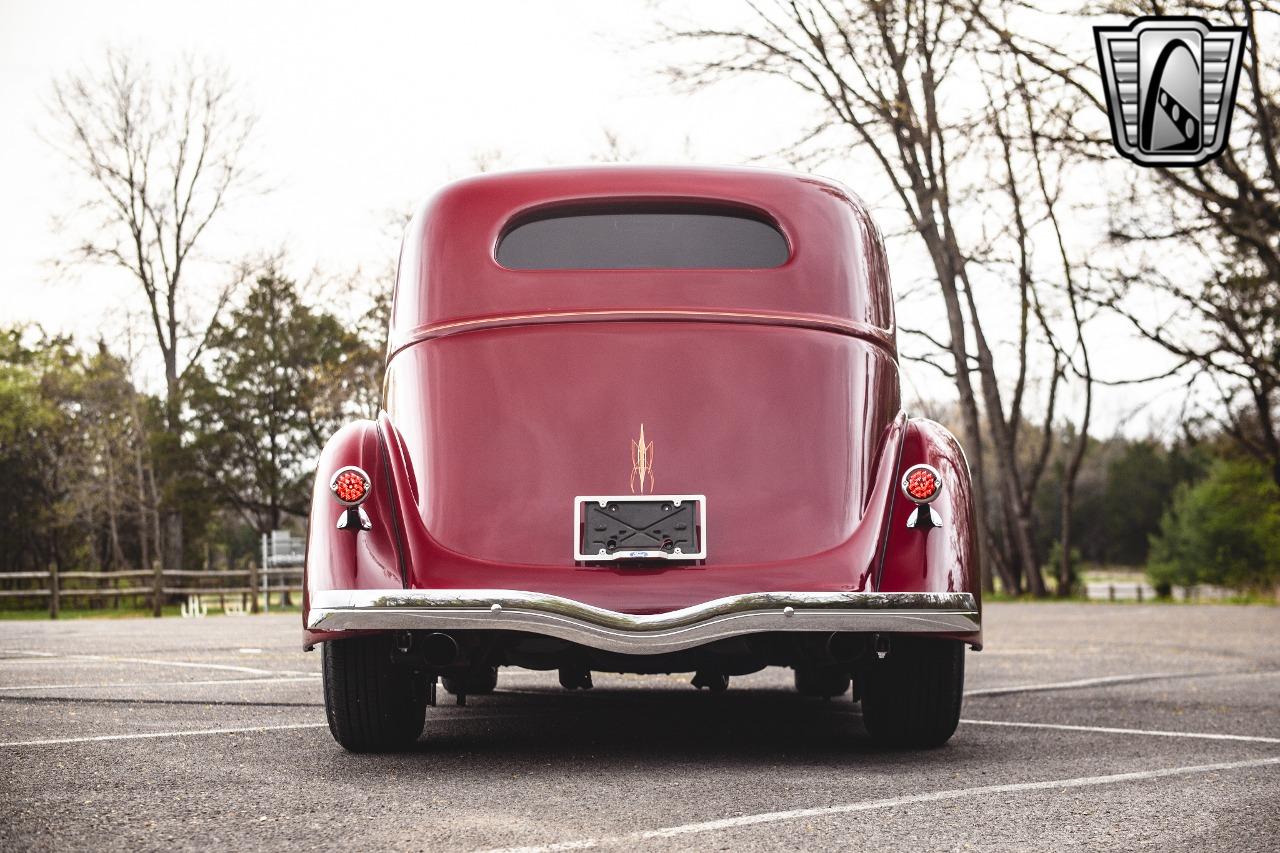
pixel 642 420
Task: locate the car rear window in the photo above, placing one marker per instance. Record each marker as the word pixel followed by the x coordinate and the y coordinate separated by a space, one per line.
pixel 643 237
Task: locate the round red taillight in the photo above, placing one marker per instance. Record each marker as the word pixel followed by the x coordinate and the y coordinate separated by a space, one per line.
pixel 922 483
pixel 350 486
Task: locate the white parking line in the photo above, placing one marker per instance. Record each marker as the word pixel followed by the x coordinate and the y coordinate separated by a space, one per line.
pixel 248 670
pixel 285 680
pixel 888 803
pixel 435 718
pixel 149 735
pixel 1112 679
pixel 51 661
pixel 1081 682
pixel 1110 730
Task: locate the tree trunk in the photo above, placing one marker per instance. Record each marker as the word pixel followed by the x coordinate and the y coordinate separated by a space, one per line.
pixel 1026 554
pixel 157 590
pixel 1066 576
pixel 156 532
pixel 255 583
pixel 140 436
pixel 995 557
pixel 173 539
pixel 173 544
pixel 1006 459
pixel 948 265
pixel 113 525
pixel 54 604
pixel 157 563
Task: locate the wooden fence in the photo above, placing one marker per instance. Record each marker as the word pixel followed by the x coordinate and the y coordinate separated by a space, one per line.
pixel 1143 591
pixel 253 585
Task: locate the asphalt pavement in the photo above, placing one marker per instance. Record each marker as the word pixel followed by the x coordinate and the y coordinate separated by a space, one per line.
pixel 1085 727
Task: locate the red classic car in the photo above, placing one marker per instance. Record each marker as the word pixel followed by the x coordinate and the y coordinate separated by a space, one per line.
pixel 642 420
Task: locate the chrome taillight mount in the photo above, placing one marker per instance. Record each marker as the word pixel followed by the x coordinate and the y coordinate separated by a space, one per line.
pixel 350 487
pixel 921 484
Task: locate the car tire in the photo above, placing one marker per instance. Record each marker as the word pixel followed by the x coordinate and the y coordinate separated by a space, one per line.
pixel 911 698
pixel 823 682
pixel 372 703
pixel 473 682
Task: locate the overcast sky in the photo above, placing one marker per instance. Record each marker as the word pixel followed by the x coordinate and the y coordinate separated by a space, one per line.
pixel 367 108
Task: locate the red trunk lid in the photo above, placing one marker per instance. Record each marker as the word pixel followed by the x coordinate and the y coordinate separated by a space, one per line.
pixel 780 427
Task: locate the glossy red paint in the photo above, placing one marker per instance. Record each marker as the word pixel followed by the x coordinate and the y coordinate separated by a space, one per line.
pixel 505 427
pixel 774 392
pixel 940 559
pixel 340 559
pixel 449 281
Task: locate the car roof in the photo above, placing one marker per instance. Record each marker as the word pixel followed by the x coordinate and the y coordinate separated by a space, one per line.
pixel 450 281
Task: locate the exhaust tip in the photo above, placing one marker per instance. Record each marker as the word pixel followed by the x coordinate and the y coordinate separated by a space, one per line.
pixel 439 650
pixel 845 647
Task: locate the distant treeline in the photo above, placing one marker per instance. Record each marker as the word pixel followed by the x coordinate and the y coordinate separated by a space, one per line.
pixel 1196 511
pixel 986 145
pixel 85 451
pixel 90 467
pixel 1191 509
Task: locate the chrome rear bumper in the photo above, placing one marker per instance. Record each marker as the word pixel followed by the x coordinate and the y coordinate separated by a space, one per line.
pixel 609 630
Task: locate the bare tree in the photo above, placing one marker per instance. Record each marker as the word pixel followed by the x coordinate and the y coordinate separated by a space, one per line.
pixel 895 81
pixel 615 149
pixel 1195 266
pixel 162 159
pixel 487 159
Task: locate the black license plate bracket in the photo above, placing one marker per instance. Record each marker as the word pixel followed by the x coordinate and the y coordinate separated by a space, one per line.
pixel 652 527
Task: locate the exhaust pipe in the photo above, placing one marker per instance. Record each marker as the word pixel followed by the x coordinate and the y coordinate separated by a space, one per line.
pixel 845 647
pixel 439 650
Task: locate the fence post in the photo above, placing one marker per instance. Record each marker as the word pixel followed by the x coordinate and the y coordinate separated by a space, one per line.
pixel 253 586
pixel 1111 592
pixel 157 588
pixel 1139 588
pixel 266 578
pixel 54 604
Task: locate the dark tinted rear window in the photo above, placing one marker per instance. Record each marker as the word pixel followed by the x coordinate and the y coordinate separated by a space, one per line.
pixel 643 237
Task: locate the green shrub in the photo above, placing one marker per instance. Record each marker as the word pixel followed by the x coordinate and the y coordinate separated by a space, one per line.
pixel 1223 530
pixel 1055 566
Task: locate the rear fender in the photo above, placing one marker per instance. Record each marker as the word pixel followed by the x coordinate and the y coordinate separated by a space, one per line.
pixel 941 559
pixel 352 559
